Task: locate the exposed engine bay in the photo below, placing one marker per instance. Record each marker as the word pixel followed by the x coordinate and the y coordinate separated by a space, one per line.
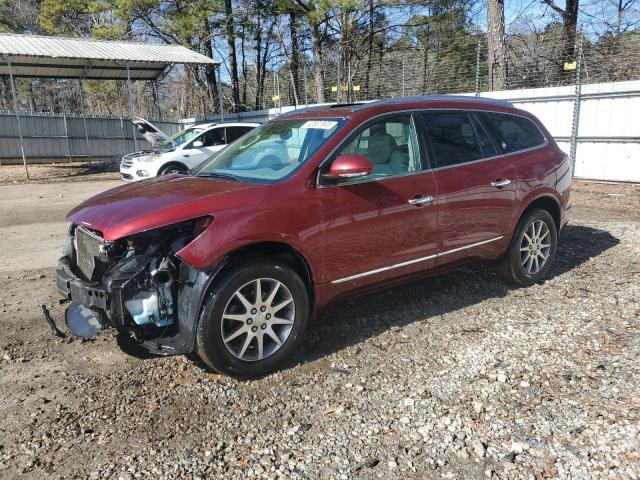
pixel 136 284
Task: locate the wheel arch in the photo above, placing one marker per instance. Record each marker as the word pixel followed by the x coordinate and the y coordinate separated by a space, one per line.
pixel 170 163
pixel 548 203
pixel 281 251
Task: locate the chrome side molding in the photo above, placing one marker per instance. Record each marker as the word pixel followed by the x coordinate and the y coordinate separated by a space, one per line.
pixel 415 260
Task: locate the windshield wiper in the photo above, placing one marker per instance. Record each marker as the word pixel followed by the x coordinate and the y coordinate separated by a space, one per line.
pixel 225 176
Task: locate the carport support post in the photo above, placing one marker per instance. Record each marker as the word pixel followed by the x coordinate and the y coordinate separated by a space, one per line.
pixel 130 99
pixel 15 108
pixel 124 144
pixel 84 121
pixel 66 134
pixel 156 99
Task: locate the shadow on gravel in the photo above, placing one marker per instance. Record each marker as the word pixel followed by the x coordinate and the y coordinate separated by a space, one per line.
pixel 61 170
pixel 350 322
pixel 129 346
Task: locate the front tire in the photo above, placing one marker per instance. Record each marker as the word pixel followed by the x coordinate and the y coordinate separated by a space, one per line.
pixel 253 319
pixel 172 168
pixel 532 249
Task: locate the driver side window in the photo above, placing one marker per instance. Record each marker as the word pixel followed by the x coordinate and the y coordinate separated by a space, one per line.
pixel 390 145
pixel 210 138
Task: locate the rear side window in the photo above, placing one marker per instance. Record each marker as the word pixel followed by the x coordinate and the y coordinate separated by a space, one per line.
pixel 234 133
pixel 452 137
pixel 517 133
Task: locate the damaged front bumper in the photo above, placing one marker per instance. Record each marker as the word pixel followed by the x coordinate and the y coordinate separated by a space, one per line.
pixel 73 288
pixel 108 298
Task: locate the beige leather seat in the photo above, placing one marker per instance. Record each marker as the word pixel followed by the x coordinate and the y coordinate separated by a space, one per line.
pixel 380 148
pixel 385 155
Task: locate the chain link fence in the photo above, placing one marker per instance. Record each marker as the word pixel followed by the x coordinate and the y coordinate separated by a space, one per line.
pixel 460 65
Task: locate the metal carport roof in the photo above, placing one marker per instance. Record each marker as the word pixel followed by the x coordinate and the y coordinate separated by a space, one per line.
pixel 36 56
pixel 59 57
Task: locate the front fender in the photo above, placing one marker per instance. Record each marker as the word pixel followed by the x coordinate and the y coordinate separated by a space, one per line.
pixel 231 231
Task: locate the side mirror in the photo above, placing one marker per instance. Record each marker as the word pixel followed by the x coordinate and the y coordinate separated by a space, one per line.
pixel 349 166
pixel 196 144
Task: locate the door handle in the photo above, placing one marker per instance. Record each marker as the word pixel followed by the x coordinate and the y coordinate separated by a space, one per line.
pixel 501 183
pixel 421 200
pixel 186 155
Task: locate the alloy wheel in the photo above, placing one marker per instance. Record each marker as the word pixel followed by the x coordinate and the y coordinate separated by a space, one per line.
pixel 535 247
pixel 258 319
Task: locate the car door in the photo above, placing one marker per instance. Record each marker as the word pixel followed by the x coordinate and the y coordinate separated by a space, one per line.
pixel 202 146
pixel 383 225
pixel 475 186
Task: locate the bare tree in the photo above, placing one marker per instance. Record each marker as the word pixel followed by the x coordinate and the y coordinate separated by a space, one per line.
pixel 497 53
pixel 233 60
pixel 622 7
pixel 294 64
pixel 569 15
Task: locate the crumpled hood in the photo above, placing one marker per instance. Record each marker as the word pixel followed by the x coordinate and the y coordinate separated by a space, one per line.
pixel 162 201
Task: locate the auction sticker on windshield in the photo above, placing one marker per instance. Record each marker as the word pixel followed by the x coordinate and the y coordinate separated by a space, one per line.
pixel 321 124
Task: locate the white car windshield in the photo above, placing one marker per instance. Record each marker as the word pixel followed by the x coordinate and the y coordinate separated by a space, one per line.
pixel 271 152
pixel 182 137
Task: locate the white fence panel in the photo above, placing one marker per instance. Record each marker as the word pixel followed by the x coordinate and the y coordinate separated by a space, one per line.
pixel 609 129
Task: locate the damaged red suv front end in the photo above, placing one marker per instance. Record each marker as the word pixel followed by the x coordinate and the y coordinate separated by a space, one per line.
pixel 122 266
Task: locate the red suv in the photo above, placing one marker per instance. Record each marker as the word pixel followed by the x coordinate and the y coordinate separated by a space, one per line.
pixel 232 259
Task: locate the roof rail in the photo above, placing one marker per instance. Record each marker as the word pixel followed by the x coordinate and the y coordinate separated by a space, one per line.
pixel 436 98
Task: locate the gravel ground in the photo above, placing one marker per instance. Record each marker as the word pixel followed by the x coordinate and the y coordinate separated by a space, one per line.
pixel 60 172
pixel 457 376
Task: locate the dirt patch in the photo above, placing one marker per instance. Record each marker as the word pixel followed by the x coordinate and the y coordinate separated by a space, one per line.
pixel 60 172
pixel 610 196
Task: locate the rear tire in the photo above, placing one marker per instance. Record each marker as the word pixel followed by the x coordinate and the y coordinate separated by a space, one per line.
pixel 172 168
pixel 244 336
pixel 531 251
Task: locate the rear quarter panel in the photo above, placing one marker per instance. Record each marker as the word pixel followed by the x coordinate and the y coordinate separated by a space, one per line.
pixel 537 173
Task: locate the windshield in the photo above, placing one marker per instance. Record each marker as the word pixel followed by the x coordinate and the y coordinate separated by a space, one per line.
pixel 182 137
pixel 271 152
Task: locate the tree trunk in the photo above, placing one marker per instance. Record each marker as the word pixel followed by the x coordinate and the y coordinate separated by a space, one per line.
pixel 233 61
pixel 367 74
pixel 343 70
pixel 265 57
pixel 569 28
pixel 244 70
pixel 380 72
pixel 316 48
pixel 294 65
pixel 425 71
pixel 258 43
pixel 212 84
pixel 497 52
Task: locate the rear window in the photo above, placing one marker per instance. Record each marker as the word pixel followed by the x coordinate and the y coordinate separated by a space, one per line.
pixel 515 132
